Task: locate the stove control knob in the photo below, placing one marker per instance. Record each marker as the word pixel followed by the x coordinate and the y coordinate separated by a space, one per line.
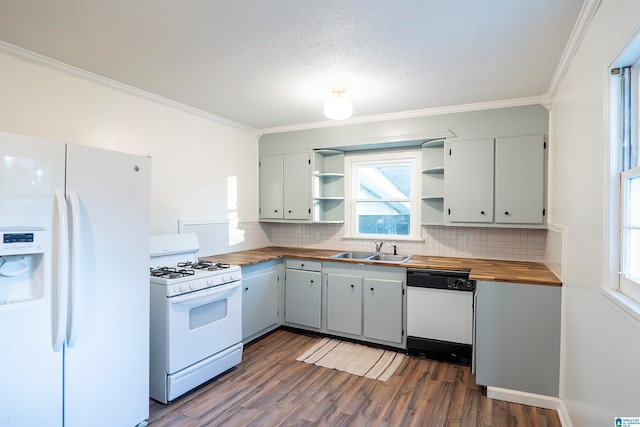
pixel 210 282
pixel 226 278
pixel 192 286
pixel 183 288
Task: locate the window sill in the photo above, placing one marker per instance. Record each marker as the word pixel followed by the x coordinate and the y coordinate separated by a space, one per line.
pixel 623 303
pixel 390 239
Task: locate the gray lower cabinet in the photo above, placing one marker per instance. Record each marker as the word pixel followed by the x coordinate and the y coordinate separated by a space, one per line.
pixel 259 299
pixel 303 293
pixel 344 304
pixel 365 302
pixel 383 309
pixel 517 337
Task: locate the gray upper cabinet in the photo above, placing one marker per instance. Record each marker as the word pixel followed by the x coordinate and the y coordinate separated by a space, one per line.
pixel 520 173
pixel 499 182
pixel 285 187
pixel 469 181
pixel 271 187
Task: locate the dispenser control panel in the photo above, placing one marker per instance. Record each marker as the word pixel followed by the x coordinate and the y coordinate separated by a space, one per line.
pixel 21 242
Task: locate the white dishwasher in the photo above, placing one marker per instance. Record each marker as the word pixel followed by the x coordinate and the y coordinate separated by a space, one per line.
pixel 440 314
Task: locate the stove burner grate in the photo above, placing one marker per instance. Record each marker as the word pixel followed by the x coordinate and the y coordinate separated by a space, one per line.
pixel 171 272
pixel 203 265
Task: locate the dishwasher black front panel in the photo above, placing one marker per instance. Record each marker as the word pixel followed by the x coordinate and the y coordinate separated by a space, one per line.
pixel 445 351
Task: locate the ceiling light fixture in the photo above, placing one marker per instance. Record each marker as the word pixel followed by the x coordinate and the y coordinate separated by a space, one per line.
pixel 338 107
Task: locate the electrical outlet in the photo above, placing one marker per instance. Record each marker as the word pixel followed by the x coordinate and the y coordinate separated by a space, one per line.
pixel 462 241
pixel 317 236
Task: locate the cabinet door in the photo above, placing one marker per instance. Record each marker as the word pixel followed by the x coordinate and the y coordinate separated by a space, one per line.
pixel 344 304
pixel 271 182
pixel 520 180
pixel 297 178
pixel 469 181
pixel 383 309
pixel 302 298
pixel 259 301
pixel 517 344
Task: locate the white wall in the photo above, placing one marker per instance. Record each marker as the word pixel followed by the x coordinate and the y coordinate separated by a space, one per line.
pixel 194 159
pixel 601 346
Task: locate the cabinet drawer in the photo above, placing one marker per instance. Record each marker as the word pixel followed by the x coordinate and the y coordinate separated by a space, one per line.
pixel 303 264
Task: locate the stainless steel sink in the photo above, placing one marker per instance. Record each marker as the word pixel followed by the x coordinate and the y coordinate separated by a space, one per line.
pixel 353 255
pixel 372 257
pixel 390 258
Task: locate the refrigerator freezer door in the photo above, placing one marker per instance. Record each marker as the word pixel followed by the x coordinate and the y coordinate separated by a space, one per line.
pixel 107 362
pixel 31 170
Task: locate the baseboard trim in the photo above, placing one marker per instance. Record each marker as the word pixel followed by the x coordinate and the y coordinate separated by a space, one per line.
pixel 563 414
pixel 531 399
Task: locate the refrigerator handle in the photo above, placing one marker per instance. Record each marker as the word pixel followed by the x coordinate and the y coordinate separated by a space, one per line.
pixel 61 277
pixel 76 268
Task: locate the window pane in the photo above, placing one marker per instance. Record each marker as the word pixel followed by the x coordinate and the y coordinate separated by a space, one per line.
pixel 633 254
pixel 384 182
pixel 383 218
pixel 633 203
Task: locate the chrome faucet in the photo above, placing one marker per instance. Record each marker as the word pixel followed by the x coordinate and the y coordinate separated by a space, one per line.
pixel 379 246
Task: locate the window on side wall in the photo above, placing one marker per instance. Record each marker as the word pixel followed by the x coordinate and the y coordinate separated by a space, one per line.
pixel 383 195
pixel 628 118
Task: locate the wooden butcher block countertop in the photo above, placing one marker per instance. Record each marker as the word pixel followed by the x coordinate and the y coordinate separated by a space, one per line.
pixel 535 273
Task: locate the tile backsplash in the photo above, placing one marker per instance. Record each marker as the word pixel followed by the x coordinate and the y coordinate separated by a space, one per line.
pixel 469 242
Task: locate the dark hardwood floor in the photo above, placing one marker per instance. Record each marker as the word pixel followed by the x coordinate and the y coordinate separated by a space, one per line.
pixel 270 388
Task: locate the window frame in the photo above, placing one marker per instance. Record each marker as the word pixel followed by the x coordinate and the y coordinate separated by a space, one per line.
pixel 362 159
pixel 624 170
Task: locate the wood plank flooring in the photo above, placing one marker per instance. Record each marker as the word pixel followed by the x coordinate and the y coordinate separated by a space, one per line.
pixel 271 388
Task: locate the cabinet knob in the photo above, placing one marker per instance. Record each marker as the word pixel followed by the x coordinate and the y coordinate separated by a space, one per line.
pixel 275 210
pixel 371 289
pixel 290 211
pixel 301 265
pixel 351 286
pixel 506 213
pixel 312 281
pixel 246 289
pixel 482 212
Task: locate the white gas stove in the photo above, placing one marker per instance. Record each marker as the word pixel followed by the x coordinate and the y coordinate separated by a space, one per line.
pixel 196 317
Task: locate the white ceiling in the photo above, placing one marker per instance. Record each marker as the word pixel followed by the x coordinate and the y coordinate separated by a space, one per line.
pixel 265 63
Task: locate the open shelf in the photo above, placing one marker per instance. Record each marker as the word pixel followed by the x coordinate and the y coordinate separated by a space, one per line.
pixel 433 182
pixel 328 186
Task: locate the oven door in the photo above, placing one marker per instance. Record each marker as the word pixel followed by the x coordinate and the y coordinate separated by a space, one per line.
pixel 202 323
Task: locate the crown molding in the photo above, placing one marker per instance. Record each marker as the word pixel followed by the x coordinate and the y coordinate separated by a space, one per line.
pixel 587 12
pixel 517 102
pixel 37 59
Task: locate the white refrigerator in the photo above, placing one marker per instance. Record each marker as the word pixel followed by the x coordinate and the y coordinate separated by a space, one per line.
pixel 74 285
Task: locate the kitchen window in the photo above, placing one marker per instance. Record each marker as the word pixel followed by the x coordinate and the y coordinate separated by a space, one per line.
pixel 625 121
pixel 383 195
pixel 629 119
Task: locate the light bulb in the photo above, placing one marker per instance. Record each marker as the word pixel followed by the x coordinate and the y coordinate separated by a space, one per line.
pixel 338 108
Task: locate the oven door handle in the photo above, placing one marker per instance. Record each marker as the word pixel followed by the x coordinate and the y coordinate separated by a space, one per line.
pixel 206 296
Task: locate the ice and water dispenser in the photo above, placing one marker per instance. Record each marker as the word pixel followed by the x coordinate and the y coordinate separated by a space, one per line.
pixel 21 265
